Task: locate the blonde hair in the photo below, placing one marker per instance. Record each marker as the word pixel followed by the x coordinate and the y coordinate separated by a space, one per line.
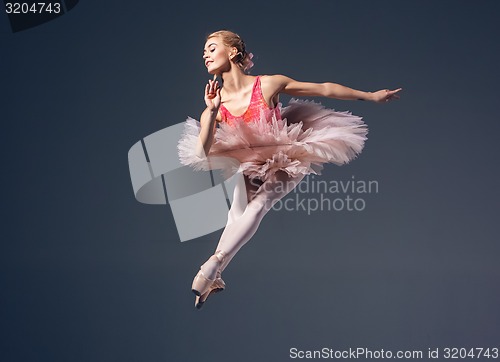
pixel 230 39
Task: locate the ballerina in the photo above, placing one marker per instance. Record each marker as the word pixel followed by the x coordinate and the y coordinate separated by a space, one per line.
pixel 275 148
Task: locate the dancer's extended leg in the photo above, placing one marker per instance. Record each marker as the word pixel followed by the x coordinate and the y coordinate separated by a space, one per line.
pixel 244 192
pixel 238 232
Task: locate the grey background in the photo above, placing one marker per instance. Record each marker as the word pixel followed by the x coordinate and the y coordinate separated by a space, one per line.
pixel 90 274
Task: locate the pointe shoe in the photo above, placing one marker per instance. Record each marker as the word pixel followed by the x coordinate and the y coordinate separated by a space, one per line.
pixel 202 284
pixel 217 286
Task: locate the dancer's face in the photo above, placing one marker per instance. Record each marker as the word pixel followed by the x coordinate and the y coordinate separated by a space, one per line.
pixel 216 56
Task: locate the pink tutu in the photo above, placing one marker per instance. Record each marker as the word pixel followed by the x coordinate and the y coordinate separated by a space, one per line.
pixel 308 136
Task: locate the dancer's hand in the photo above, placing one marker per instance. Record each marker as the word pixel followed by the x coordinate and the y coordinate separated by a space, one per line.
pixel 385 95
pixel 212 95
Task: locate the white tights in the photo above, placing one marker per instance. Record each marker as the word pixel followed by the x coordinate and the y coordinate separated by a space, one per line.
pixel 244 217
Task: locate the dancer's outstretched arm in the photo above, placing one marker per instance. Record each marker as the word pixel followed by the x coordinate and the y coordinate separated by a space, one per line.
pixel 283 84
pixel 208 118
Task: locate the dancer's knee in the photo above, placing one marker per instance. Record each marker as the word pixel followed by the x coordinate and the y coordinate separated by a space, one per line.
pixel 257 208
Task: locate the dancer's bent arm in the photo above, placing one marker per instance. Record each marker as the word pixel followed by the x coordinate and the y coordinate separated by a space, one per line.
pixel 208 119
pixel 283 84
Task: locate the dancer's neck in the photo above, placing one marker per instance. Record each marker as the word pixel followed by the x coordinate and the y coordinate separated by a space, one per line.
pixel 235 80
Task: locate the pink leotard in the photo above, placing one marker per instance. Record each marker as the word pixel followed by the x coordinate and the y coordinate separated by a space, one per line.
pixel 257 105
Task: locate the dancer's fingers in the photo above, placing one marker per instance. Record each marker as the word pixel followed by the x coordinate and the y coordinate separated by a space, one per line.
pixel 211 88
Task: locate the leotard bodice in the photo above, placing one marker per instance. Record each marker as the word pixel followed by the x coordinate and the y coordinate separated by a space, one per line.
pixel 256 108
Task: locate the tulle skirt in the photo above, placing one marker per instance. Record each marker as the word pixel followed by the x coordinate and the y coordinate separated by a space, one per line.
pixel 308 136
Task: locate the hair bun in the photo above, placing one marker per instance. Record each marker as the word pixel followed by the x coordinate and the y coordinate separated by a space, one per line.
pixel 249 64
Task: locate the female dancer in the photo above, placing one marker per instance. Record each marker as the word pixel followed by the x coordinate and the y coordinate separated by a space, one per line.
pixel 275 149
